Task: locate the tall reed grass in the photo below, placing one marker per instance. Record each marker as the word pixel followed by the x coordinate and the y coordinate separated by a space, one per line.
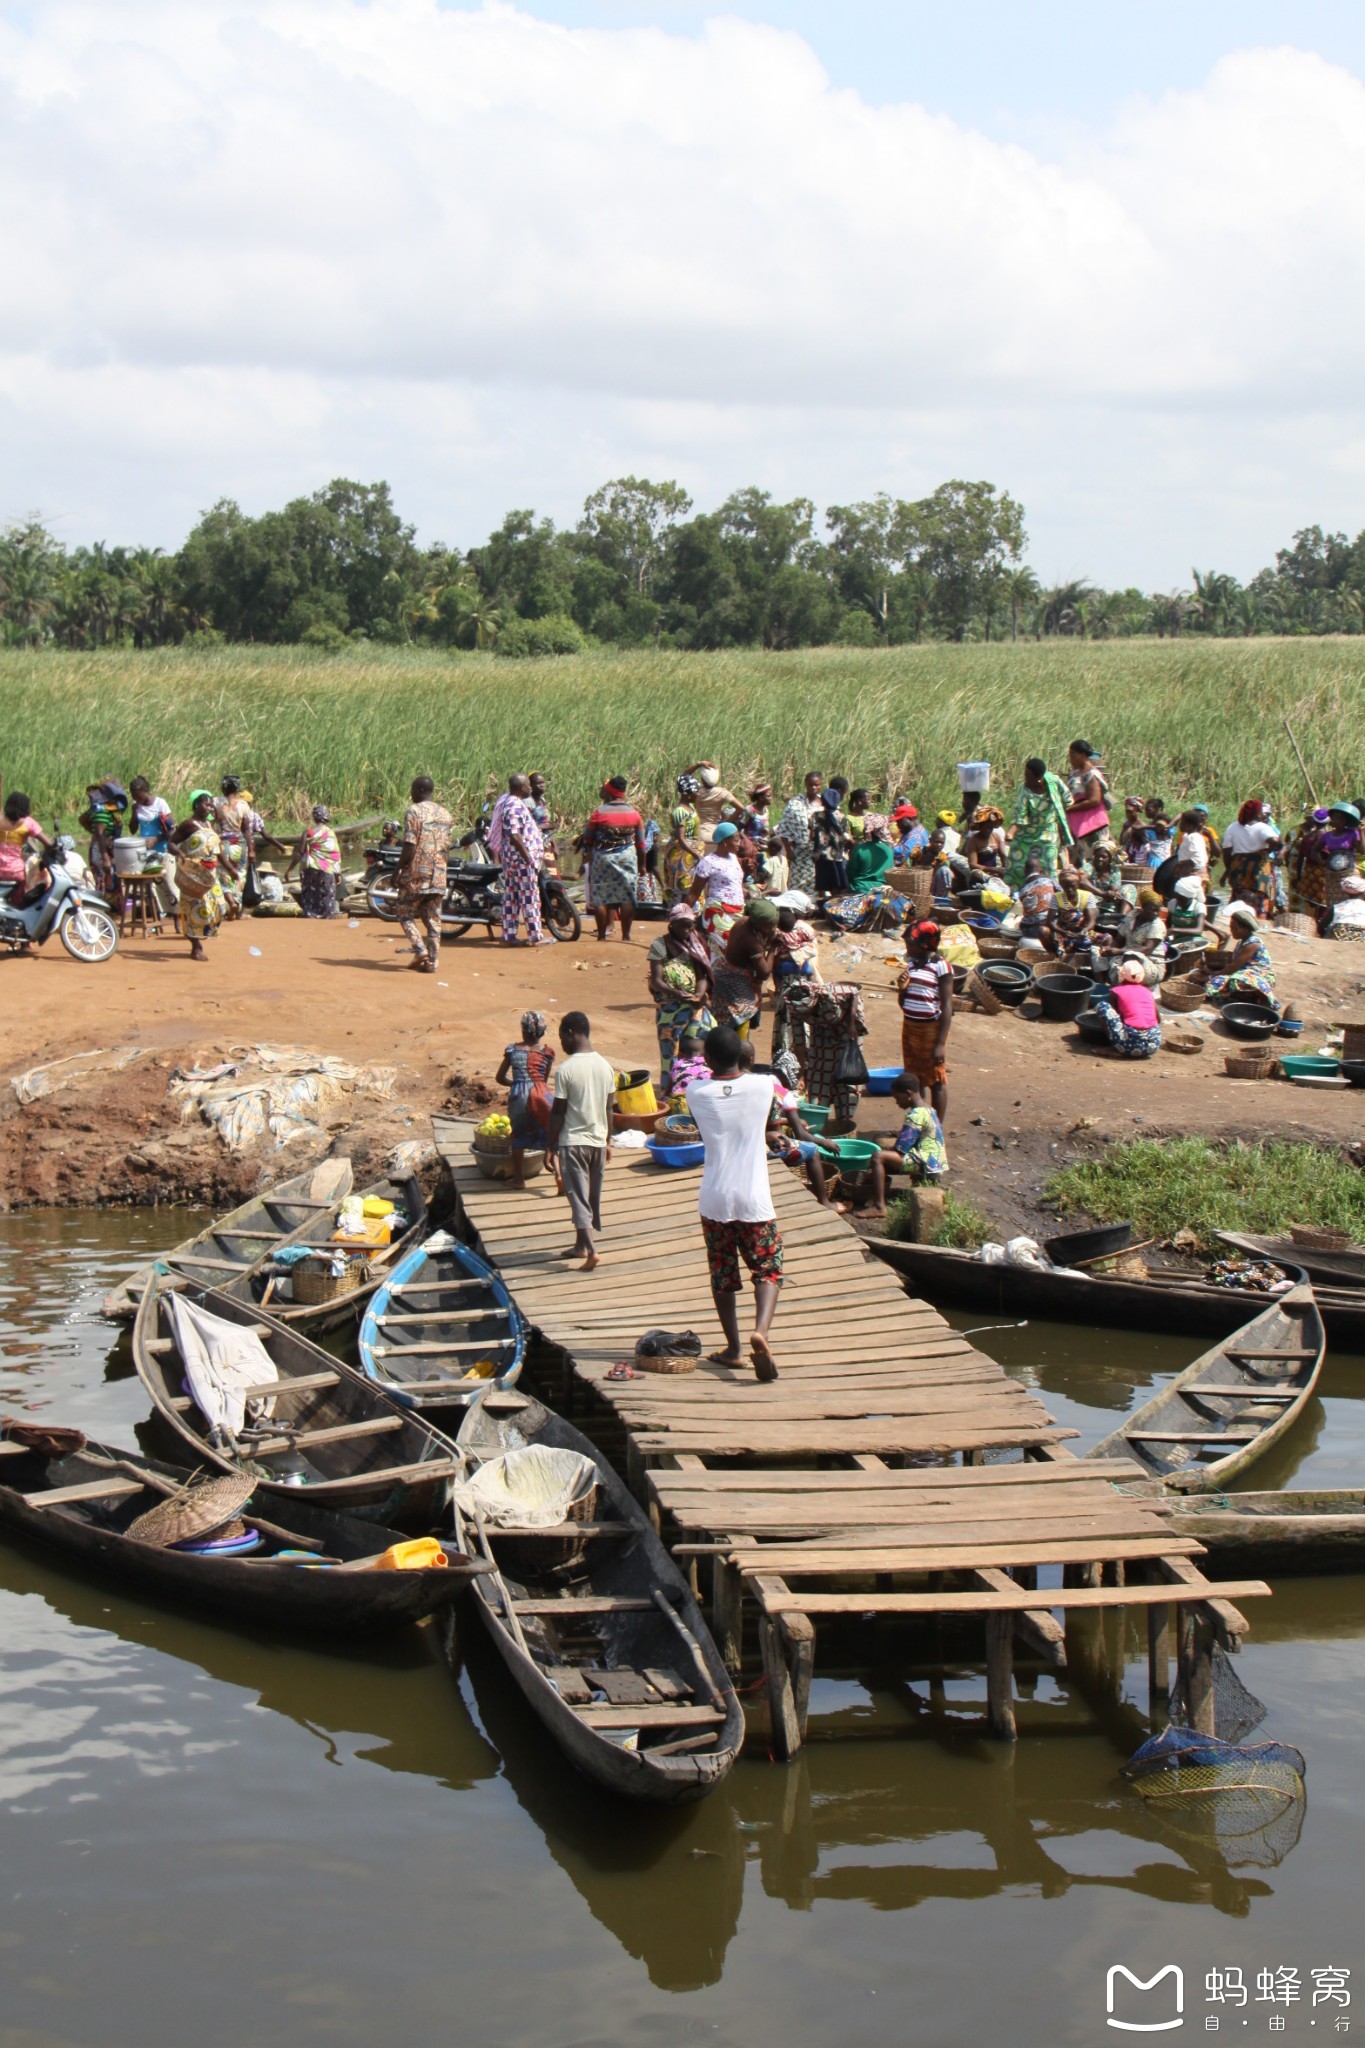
pixel 1182 719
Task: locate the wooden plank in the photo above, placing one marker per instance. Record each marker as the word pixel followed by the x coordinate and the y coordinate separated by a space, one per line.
pixel 342 1433
pixel 680 1716
pixel 91 1489
pixel 1020 1601
pixel 1193 1436
pixel 445 1315
pixel 1231 1623
pixel 896 1437
pixel 302 1383
pixel 589 1603
pixel 835 1560
pixel 891 1479
pixel 1039 1628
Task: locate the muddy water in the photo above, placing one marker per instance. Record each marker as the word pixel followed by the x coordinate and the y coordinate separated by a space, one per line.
pixel 213 1836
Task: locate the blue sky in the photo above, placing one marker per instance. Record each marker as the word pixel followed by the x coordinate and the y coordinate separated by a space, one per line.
pixel 1110 259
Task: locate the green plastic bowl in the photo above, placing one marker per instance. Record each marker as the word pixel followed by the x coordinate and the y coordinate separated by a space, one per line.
pixel 1297 1065
pixel 851 1151
pixel 815 1115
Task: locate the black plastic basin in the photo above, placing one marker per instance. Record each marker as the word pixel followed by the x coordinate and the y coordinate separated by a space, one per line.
pixel 1250 1020
pixel 1064 996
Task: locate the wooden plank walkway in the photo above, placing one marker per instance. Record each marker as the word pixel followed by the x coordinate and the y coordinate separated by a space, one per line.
pixel 796 1493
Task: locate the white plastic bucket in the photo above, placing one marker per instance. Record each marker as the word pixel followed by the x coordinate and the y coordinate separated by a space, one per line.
pixel 974 775
pixel 130 856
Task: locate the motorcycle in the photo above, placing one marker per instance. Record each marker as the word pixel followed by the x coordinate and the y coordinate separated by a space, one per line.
pixel 78 915
pixel 473 891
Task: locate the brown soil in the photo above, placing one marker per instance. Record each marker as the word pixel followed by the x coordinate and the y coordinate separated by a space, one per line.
pixel 1023 1094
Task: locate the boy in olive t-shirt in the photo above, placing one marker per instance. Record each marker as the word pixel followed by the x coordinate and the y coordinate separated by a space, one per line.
pixel 579 1142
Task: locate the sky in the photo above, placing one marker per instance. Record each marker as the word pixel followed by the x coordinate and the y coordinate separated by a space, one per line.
pixel 1111 259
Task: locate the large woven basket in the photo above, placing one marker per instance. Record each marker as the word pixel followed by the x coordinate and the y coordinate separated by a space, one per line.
pixel 532 1555
pixel 315 1283
pixel 916 882
pixel 200 1507
pixel 1297 921
pixel 1181 1041
pixel 1182 993
pixel 1136 871
pixel 1315 1240
pixel 1353 1042
pixel 997 945
pixel 1250 1066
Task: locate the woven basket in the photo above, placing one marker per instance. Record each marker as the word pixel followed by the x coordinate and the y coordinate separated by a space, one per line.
pixel 1249 1066
pixel 314 1282
pixel 982 994
pixel 196 1510
pixel 916 882
pixel 1353 1042
pixel 1181 1041
pixel 997 945
pixel 1136 871
pixel 1314 1240
pixel 1296 921
pixel 1182 993
pixel 672 1365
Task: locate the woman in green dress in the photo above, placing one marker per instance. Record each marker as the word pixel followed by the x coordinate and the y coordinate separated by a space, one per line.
pixel 1039 825
pixel 684 846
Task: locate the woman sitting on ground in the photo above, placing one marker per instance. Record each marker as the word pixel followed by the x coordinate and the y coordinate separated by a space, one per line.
pixel 1129 1012
pixel 985 845
pixel 1187 909
pixel 1348 913
pixel 1251 975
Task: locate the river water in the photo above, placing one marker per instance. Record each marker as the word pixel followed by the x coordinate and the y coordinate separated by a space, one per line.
pixel 213 1836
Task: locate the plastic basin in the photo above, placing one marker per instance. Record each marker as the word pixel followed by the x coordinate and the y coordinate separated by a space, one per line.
pixel 1063 996
pixel 881 1080
pixel 815 1115
pixel 1250 1020
pixel 1007 980
pixel 1300 1066
pixel 1092 1027
pixel 851 1151
pixel 676 1155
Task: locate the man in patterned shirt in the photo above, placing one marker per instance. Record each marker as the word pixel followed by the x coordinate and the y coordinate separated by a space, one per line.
pixel 427 833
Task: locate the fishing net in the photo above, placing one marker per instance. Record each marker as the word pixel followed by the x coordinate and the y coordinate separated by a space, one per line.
pixel 1236 1709
pixel 1244 1801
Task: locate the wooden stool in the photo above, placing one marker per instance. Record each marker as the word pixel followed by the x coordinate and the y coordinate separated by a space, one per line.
pixel 141 915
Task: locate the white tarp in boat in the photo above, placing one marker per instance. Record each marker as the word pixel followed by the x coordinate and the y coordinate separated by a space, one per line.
pixel 221 1361
pixel 532 1488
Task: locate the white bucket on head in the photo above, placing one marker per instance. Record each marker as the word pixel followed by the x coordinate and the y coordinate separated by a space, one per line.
pixel 974 775
pixel 130 856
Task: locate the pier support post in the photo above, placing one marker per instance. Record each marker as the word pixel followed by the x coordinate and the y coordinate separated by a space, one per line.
pixel 1196 1667
pixel 727 1612
pixel 788 1645
pixel 1159 1665
pixel 1000 1676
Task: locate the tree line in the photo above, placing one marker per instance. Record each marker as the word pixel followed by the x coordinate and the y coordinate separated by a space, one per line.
pixel 641 568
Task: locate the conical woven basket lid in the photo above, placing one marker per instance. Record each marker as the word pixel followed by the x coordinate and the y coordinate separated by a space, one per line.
pixel 199 1508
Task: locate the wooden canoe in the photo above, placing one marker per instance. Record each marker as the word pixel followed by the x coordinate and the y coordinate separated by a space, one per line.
pixel 611 1647
pixel 1227 1409
pixel 332 1433
pixel 1175 1302
pixel 317 1317
pixel 1297 1533
pixel 1340 1269
pixel 435 1325
pixel 240 1244
pixel 81 1505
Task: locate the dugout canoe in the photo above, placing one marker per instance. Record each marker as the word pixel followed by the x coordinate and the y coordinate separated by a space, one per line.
pixel 1300 1532
pixel 442 1330
pixel 609 1648
pixel 1163 1302
pixel 1223 1412
pixel 80 1505
pixel 332 1434
pixel 1339 1269
pixel 239 1244
pixel 314 1318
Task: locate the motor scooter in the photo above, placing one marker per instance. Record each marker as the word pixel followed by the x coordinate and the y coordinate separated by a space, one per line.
pixel 473 891
pixel 79 916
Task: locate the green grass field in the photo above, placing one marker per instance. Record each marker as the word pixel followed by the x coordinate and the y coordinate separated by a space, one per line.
pixel 1193 718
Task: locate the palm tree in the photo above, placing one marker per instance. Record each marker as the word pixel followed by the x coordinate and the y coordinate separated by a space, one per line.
pixel 1021 588
pixel 1064 607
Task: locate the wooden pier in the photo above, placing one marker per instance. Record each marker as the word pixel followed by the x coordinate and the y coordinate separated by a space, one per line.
pixel 819 1495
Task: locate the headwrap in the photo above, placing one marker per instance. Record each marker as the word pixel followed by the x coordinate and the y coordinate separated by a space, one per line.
pixel 247 797
pixel 1199 810
pixel 761 789
pixel 320 814
pixel 113 789
pixel 709 774
pixel 196 794
pixel 830 799
pixel 1132 803
pixel 725 831
pixel 687 786
pixel 989 816
pixel 759 910
pixel 1244 914
pixel 787 1068
pixel 1351 885
pixel 947 817
pixel 1149 899
pixel 902 813
pixel 1190 888
pixel 684 939
pixel 1321 817
pixel 533 1024
pixel 1132 969
pixel 682 913
pixel 1252 812
pixel 232 785
pixel 615 786
pixel 925 932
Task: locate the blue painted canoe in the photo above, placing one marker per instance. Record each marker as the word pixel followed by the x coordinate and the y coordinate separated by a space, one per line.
pixel 439 1321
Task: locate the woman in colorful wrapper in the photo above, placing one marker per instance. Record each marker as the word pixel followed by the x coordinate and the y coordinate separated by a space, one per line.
pixel 614 847
pixel 525 1073
pixel 1040 826
pixel 200 861
pixel 680 982
pixel 925 989
pixel 1251 974
pixel 320 852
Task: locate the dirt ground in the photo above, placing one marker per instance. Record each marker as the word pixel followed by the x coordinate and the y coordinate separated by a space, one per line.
pixel 1023 1094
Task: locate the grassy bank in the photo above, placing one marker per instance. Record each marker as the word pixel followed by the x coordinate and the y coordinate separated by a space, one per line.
pixel 1188 1183
pixel 1191 718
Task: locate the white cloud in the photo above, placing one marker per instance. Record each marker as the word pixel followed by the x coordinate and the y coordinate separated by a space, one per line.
pixel 252 243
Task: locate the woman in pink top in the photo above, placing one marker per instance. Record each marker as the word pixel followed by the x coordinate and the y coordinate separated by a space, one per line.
pixel 1087 813
pixel 1129 1013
